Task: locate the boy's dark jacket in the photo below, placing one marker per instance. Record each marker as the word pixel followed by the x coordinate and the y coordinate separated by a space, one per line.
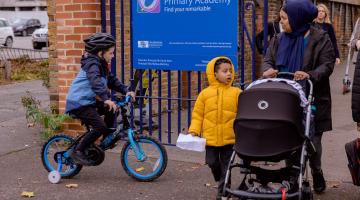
pixel 92 82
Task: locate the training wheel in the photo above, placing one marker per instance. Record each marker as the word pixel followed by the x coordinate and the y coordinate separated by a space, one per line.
pixel 54 177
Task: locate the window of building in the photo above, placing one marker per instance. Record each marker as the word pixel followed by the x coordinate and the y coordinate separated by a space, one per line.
pixel 7 8
pixel 27 8
pixel 43 8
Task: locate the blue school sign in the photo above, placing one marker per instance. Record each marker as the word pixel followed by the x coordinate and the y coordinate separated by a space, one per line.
pixel 183 34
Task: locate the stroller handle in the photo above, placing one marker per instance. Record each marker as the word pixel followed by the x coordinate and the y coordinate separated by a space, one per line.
pixel 310 98
pixel 307 79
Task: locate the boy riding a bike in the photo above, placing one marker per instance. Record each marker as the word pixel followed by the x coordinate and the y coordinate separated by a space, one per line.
pixel 89 95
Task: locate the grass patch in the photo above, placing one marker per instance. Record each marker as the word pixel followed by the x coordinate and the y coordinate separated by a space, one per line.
pixel 25 69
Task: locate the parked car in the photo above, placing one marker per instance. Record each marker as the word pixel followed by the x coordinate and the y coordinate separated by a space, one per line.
pixel 6 33
pixel 40 38
pixel 25 27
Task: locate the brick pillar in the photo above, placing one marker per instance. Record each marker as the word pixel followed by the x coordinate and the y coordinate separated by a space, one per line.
pixel 53 90
pixel 71 21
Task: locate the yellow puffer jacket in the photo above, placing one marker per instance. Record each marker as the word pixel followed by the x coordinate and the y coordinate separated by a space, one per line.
pixel 215 110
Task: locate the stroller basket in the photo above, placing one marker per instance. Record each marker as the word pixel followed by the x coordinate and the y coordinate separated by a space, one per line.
pixel 260 195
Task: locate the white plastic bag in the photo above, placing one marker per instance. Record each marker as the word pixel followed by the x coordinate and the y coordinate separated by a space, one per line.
pixel 190 142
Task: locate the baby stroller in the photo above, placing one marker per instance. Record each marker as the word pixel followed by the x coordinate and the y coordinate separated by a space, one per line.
pixel 272 125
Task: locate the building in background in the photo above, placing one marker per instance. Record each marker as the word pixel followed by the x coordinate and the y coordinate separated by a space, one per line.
pixel 15 9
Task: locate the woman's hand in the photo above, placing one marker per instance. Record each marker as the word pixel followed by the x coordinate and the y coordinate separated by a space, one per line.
pixel 300 75
pixel 338 61
pixel 112 106
pixel 132 94
pixel 270 73
pixel 357 45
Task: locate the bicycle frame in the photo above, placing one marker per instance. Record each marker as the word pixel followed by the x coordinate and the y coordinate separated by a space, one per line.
pixel 127 126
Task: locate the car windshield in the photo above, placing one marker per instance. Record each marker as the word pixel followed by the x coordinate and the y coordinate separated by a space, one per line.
pixel 19 21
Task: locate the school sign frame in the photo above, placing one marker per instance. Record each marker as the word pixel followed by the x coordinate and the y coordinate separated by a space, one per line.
pixel 183 34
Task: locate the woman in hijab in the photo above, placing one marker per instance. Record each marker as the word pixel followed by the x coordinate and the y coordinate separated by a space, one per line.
pixel 308 53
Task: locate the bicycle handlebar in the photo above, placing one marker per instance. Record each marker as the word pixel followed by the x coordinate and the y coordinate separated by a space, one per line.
pixel 124 102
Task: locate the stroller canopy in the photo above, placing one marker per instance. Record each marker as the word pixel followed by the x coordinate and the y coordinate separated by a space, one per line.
pixel 269 121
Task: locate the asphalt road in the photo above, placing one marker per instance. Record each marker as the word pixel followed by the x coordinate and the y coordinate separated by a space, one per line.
pixel 24 43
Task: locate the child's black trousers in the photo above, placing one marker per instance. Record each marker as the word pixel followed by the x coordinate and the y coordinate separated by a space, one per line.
pixel 217 158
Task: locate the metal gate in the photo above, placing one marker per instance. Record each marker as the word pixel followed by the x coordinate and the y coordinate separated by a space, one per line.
pixel 165 98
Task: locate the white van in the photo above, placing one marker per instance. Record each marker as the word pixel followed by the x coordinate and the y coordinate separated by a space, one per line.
pixel 6 33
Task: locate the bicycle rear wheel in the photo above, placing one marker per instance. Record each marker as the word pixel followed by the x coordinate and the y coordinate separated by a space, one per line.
pixel 153 163
pixel 58 145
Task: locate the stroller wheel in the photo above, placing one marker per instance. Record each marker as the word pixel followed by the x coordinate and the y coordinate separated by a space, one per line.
pixel 306 193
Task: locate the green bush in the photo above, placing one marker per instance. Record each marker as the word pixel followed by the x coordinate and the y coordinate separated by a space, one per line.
pixel 48 120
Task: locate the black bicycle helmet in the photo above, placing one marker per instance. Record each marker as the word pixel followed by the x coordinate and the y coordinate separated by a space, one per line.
pixel 98 42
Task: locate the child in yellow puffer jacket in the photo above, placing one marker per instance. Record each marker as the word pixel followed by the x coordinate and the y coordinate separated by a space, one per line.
pixel 213 117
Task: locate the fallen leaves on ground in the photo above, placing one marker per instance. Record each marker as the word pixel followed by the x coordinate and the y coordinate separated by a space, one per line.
pixel 27 194
pixel 334 184
pixel 72 185
pixel 139 169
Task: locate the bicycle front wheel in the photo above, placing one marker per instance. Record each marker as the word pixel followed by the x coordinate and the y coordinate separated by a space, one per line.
pixel 152 164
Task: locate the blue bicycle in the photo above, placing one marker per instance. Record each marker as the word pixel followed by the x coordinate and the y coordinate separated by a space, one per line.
pixel 142 157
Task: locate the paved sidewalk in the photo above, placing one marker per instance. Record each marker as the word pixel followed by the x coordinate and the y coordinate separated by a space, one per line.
pixel 184 178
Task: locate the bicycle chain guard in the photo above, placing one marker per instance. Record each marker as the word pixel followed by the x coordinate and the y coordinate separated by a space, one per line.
pixel 95 155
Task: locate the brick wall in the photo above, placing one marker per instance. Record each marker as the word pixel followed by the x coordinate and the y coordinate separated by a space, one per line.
pixel 343 17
